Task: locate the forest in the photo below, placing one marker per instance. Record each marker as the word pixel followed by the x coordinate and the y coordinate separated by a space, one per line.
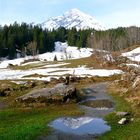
pixel 32 40
pixel 27 39
pixel 116 39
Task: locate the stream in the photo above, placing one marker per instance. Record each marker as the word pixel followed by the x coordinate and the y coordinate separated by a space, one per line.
pixel 89 126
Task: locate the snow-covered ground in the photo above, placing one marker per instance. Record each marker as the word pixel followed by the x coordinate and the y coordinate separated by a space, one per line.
pixel 62 52
pixel 5 63
pixel 133 55
pixel 55 72
pixel 46 70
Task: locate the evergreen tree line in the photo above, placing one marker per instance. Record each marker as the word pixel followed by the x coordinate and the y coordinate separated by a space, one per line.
pixel 31 40
pixel 115 39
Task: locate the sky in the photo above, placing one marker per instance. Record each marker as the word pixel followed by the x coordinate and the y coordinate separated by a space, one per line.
pixel 110 13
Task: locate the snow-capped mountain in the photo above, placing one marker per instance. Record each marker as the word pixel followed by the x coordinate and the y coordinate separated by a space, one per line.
pixel 72 18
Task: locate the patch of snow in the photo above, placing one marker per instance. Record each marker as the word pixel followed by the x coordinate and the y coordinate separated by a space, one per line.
pixel 96 72
pixel 135 58
pixel 135 65
pixel 52 72
pixel 65 52
pixel 60 47
pixel 5 63
pixel 133 55
pixel 62 52
pixel 108 57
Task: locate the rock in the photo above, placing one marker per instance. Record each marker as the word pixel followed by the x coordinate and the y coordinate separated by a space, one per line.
pixel 54 80
pixel 5 89
pixel 61 80
pixel 59 93
pixel 74 79
pixel 122 121
pixel 132 119
pixel 122 113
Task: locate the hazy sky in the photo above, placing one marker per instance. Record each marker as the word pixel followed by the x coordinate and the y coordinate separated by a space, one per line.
pixel 111 13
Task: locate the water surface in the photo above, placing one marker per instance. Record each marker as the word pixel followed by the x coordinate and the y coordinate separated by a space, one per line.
pixel 81 125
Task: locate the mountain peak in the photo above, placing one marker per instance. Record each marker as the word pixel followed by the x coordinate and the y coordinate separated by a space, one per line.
pixel 73 18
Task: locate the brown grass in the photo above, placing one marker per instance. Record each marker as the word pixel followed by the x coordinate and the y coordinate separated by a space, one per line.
pixel 90 62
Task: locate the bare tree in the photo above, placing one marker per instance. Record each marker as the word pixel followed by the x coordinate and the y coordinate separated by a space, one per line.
pixel 31 48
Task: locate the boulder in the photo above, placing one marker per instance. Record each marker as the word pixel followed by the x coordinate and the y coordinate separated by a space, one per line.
pixel 59 93
pixel 122 121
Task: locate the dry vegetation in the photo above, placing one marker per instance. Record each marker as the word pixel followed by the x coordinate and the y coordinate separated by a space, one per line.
pixel 93 61
pixel 129 90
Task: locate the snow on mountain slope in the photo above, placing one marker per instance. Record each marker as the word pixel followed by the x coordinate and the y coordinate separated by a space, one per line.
pixel 73 18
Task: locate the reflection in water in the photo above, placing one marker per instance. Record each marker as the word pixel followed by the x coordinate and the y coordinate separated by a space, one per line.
pixel 81 125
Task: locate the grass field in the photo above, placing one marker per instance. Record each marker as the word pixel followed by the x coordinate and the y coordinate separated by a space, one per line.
pixel 29 123
pixel 129 131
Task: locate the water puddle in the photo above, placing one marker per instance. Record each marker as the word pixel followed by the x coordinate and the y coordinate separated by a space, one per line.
pixel 81 125
pixel 98 103
pixel 89 126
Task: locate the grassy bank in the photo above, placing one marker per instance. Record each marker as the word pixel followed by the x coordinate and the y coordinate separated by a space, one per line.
pixel 129 131
pixel 28 123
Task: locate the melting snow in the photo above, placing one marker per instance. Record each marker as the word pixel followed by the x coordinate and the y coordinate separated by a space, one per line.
pixel 62 52
pixel 47 71
pixel 133 55
pixel 54 72
pixel 135 65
